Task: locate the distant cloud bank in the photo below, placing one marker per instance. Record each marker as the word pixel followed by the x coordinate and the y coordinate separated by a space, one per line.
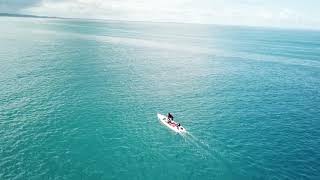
pixel 285 13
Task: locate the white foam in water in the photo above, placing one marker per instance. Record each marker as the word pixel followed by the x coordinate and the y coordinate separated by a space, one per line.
pixel 198 143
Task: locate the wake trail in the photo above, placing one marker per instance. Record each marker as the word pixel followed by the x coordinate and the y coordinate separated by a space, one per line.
pixel 205 149
pixel 200 145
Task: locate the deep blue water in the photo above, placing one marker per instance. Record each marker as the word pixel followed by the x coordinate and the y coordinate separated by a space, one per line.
pixel 78 100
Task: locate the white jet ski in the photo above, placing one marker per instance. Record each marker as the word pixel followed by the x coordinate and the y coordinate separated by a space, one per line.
pixel 172 125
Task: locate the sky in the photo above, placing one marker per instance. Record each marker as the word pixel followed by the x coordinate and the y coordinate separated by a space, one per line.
pixel 274 13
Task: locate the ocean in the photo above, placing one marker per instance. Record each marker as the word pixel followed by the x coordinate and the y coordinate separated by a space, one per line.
pixel 79 98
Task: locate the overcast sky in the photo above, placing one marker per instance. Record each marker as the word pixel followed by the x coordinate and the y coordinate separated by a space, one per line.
pixel 279 13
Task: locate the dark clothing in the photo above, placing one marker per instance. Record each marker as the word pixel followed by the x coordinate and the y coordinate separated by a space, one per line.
pixel 178 125
pixel 170 116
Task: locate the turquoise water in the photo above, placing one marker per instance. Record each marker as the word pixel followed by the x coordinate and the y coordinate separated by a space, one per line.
pixel 78 100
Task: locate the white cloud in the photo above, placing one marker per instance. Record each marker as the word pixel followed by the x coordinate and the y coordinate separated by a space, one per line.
pixel 242 12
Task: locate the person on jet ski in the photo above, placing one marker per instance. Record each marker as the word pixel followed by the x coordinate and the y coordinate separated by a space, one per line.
pixel 170 117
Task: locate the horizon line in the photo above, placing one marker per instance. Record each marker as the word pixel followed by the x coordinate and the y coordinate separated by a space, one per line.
pixel 4 14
